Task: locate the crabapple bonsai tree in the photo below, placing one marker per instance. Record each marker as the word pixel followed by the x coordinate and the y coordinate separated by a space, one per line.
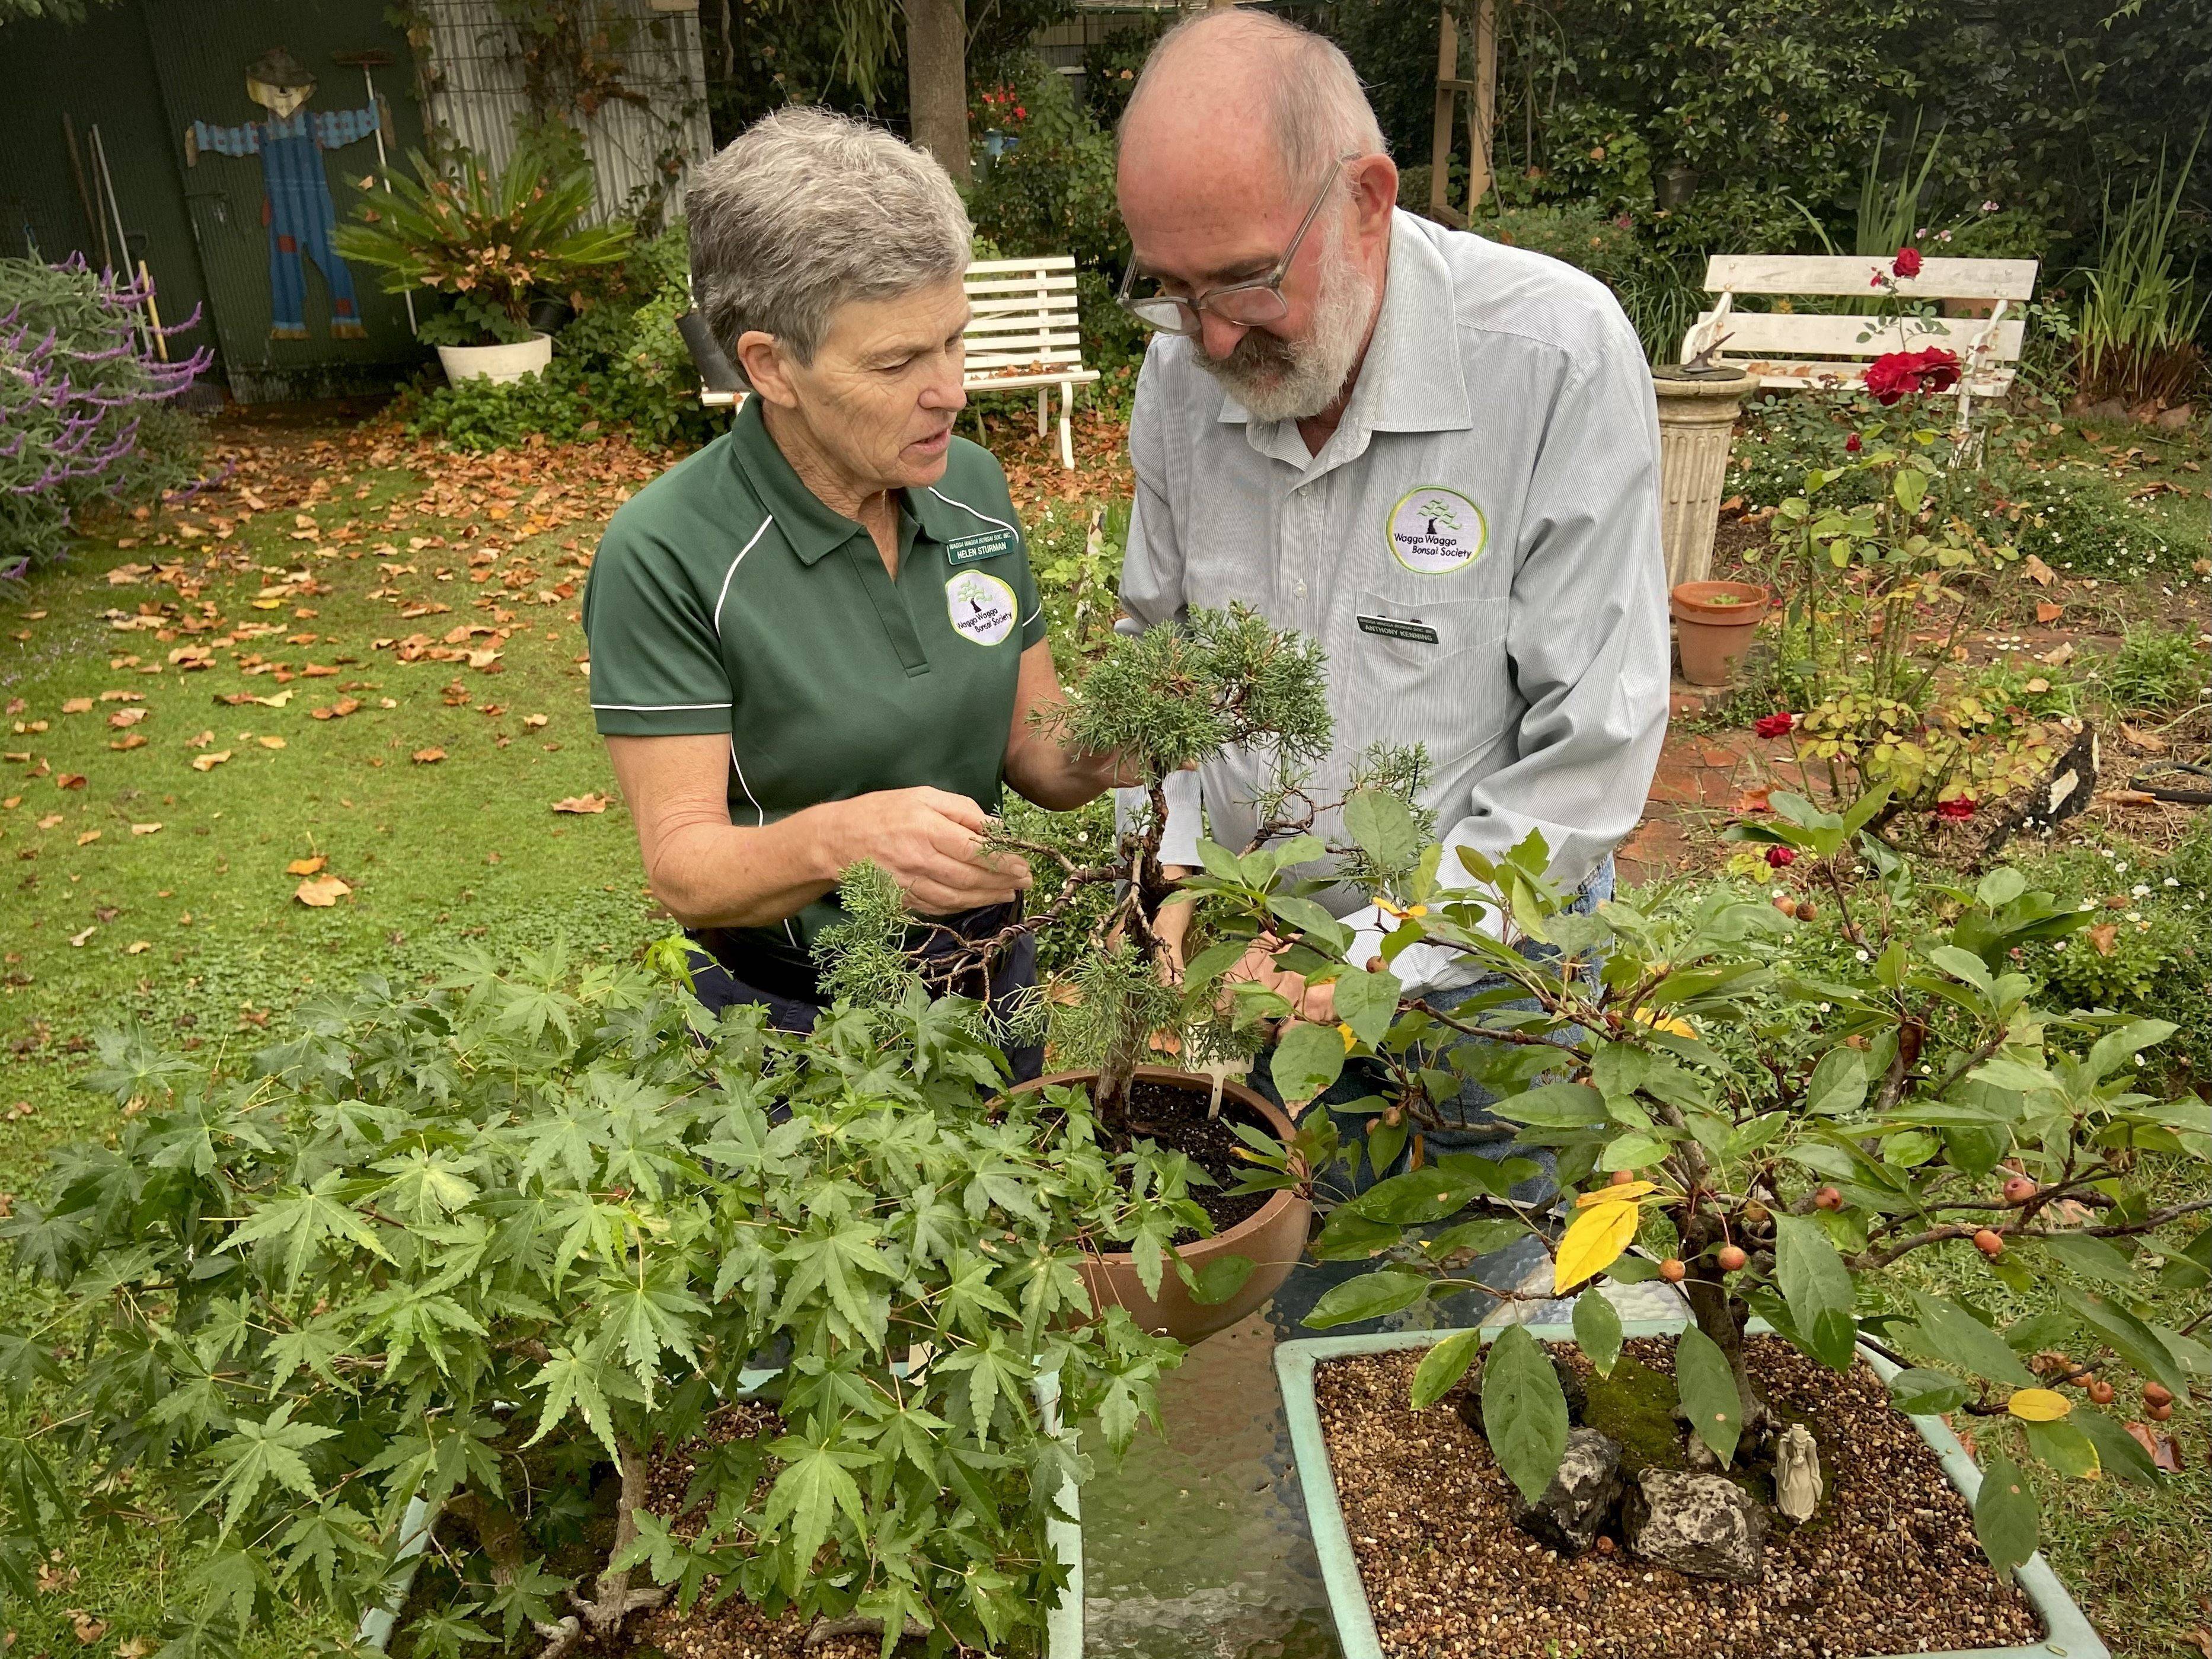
pixel 1783 1125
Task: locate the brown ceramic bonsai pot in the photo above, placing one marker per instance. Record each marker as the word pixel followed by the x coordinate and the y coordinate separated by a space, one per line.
pixel 1714 623
pixel 1271 1239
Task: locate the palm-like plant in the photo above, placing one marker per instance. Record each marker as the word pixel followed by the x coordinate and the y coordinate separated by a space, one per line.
pixel 492 243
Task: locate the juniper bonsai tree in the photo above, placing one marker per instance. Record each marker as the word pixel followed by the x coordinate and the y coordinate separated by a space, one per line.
pixel 1783 1125
pixel 496 1246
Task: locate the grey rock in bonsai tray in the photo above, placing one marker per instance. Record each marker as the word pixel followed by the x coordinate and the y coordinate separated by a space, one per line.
pixel 1568 1514
pixel 1704 1525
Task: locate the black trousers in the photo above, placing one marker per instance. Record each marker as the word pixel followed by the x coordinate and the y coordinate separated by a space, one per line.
pixel 722 982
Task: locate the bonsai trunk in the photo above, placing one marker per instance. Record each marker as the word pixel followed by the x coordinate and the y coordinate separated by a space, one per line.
pixel 1723 1317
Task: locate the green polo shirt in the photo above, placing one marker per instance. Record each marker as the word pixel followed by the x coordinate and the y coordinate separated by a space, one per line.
pixel 725 598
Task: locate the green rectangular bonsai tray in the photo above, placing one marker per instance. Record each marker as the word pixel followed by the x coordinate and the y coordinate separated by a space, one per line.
pixel 1063 1624
pixel 2070 1634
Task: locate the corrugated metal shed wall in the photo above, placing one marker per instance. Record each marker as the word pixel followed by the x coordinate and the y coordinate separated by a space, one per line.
pixel 476 97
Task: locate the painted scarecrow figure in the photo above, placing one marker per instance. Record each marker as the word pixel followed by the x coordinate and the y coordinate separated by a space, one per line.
pixel 295 196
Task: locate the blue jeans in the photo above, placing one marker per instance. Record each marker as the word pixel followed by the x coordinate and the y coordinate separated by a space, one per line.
pixel 1470 1125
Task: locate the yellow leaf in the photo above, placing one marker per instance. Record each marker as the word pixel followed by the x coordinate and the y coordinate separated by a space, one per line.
pixel 135 946
pixel 88 837
pixel 321 891
pixel 2038 1405
pixel 1680 1028
pixel 1627 1193
pixel 1349 1036
pixel 1593 1241
pixel 305 866
pixel 270 743
pixel 145 829
pixel 208 762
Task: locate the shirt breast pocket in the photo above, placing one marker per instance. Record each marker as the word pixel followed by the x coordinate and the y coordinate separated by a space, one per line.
pixel 1431 672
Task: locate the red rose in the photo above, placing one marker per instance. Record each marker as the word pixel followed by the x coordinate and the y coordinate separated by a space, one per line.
pixel 1939 369
pixel 1852 446
pixel 1955 809
pixel 1774 726
pixel 1907 263
pixel 1890 376
pixel 1781 858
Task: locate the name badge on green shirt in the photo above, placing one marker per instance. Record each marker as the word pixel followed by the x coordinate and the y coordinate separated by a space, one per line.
pixel 987 544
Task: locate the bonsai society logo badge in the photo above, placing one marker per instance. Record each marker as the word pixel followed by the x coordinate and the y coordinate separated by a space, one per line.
pixel 981 607
pixel 1433 530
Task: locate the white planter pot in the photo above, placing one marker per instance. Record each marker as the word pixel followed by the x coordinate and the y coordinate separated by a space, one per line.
pixel 1696 419
pixel 496 362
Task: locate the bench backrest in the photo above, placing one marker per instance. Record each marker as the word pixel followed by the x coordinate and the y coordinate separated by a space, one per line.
pixel 1024 317
pixel 1816 348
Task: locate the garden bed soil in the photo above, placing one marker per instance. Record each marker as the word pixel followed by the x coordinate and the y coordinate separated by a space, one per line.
pixel 1888 1565
pixel 1178 1121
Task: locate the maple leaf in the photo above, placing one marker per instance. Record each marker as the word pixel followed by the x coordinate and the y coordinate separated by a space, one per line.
pixel 321 892
pixel 258 1453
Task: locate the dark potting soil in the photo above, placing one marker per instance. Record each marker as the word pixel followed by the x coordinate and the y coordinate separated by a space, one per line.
pixel 1888 1565
pixel 735 1629
pixel 1177 1119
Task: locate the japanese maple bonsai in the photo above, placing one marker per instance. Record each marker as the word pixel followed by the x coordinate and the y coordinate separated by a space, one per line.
pixel 1781 1138
pixel 503 1245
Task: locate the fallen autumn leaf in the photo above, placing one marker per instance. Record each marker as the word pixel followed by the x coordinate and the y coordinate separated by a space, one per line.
pixel 320 891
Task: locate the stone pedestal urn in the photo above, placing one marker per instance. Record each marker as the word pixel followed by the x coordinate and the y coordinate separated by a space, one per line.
pixel 1696 414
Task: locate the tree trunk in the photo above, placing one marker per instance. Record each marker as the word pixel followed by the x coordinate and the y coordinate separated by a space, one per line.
pixel 936 80
pixel 1722 1317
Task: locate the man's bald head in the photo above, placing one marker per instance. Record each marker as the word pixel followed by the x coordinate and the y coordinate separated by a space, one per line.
pixel 1244 87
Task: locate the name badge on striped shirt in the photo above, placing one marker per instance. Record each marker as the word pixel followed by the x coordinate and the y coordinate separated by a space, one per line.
pixel 985 544
pixel 1395 627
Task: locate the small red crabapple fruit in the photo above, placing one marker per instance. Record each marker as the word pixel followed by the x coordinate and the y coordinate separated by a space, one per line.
pixel 1731 1258
pixel 1990 1244
pixel 2157 1393
pixel 1785 903
pixel 2101 1392
pixel 2019 1190
pixel 1828 1199
pixel 1672 1270
pixel 2158 1413
pixel 1622 1177
pixel 1806 910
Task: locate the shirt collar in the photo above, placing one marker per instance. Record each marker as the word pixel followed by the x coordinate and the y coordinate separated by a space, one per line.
pixel 809 528
pixel 1412 379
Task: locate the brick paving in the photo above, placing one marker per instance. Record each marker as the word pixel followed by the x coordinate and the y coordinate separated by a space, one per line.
pixel 1704 779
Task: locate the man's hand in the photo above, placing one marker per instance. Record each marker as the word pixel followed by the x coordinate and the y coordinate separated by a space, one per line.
pixel 1259 966
pixel 928 840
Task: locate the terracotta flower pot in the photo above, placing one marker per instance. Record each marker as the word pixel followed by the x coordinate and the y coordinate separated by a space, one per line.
pixel 1714 625
pixel 1271 1239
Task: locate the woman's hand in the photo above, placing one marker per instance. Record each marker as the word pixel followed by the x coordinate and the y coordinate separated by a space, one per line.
pixel 928 840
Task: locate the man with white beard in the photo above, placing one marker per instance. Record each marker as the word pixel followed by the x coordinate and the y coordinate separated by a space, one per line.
pixel 1436 454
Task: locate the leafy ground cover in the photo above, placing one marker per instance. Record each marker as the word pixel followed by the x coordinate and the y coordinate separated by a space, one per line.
pixel 394 716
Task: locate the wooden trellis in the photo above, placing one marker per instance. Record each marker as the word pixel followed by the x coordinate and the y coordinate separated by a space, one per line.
pixel 1481 115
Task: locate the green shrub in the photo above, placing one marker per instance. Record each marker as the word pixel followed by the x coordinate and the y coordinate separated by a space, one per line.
pixel 2156 668
pixel 497 1245
pixel 1787 435
pixel 618 365
pixel 2084 525
pixel 1052 192
pixel 88 412
pixel 2156 959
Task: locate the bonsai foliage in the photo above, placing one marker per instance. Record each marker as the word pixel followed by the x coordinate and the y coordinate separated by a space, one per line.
pixel 1788 1140
pixel 494 1245
pixel 1169 698
pixel 491 244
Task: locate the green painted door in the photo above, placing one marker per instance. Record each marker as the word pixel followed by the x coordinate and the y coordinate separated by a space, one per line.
pixel 275 142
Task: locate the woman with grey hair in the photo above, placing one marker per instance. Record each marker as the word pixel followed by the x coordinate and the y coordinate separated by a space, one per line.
pixel 817 640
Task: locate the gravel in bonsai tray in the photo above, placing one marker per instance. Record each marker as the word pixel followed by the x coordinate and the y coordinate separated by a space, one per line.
pixel 1888 1565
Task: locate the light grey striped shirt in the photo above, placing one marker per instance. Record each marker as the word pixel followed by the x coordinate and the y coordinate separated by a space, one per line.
pixel 1476 547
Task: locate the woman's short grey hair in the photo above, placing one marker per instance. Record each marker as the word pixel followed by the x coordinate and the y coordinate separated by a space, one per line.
pixel 806 209
pixel 1317 111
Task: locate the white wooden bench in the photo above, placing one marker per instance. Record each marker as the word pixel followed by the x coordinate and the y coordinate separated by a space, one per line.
pixel 1024 333
pixel 1794 348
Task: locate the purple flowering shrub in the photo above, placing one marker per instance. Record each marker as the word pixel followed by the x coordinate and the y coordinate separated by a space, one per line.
pixel 87 407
